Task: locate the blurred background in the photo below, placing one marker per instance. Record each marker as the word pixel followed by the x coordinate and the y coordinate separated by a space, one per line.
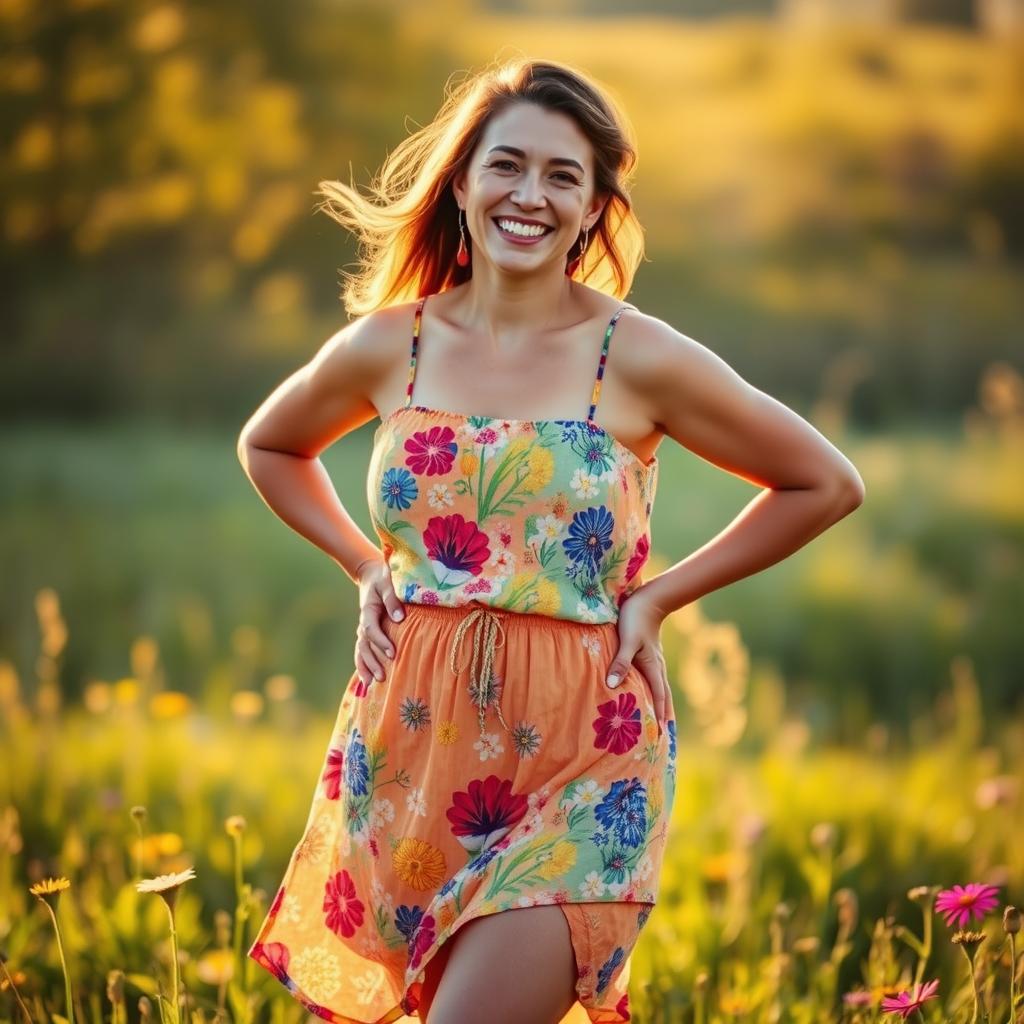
pixel 833 196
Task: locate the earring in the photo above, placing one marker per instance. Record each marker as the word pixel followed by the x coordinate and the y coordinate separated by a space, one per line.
pixel 574 263
pixel 462 256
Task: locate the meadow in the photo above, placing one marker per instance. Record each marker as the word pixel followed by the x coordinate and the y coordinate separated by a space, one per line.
pixel 807 849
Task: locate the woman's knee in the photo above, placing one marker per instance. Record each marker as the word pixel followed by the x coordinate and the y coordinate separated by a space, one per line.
pixel 519 963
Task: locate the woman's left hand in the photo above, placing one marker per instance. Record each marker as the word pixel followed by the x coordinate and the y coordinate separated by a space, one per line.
pixel 639 627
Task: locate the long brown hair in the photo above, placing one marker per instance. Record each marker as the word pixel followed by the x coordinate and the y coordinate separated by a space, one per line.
pixel 407 229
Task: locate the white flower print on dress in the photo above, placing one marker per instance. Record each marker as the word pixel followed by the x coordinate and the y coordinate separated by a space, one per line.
pixel 383 810
pixel 592 886
pixel 584 484
pixel 415 802
pixel 440 497
pixel 618 888
pixel 502 560
pixel 491 437
pixel 591 613
pixel 290 912
pixel 592 643
pixel 368 985
pixel 489 745
pixel 547 528
pixel 317 972
pixel 586 794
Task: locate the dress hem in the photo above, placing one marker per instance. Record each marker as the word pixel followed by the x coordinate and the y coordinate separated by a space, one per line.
pixel 406 1006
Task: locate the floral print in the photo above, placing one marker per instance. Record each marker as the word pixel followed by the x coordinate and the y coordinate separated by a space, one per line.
pixel 545 516
pixel 442 799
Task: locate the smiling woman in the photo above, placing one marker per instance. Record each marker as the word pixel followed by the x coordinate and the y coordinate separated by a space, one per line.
pixel 507 741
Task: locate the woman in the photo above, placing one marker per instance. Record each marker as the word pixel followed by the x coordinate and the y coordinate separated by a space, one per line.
pixel 507 740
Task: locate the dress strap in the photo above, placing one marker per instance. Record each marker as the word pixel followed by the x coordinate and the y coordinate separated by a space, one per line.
pixel 604 358
pixel 415 349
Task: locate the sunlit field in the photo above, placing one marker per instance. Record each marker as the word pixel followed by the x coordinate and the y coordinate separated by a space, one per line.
pixel 801 877
pixel 830 196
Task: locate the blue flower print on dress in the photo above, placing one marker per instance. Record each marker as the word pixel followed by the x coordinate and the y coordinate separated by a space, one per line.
pixel 590 536
pixel 604 975
pixel 398 488
pixel 407 920
pixel 357 772
pixel 672 739
pixel 624 811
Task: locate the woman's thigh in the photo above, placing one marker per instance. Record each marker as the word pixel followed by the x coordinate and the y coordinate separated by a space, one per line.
pixel 518 964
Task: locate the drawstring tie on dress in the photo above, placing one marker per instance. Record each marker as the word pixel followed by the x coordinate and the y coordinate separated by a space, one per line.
pixel 482 690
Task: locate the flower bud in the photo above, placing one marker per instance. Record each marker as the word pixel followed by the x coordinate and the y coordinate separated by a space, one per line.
pixel 1011 920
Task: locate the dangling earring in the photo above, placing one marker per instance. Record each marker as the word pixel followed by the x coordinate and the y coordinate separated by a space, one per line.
pixel 462 256
pixel 574 263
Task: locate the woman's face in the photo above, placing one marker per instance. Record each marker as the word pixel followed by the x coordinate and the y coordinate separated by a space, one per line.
pixel 531 165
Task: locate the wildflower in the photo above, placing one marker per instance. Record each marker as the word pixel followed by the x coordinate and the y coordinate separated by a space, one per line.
pixel 963 902
pixel 235 825
pixel 922 893
pixel 907 1002
pixel 41 890
pixel 167 886
pixel 49 887
pixel 970 941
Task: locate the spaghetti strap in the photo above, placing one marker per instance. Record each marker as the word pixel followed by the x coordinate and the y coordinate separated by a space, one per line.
pixel 604 358
pixel 414 350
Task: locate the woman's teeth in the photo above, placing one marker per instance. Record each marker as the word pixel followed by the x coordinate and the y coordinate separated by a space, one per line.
pixel 512 227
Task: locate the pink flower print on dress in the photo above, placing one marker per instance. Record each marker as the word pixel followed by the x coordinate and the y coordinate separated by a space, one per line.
pixel 617 724
pixel 343 909
pixel 485 812
pixel 331 777
pixel 457 548
pixel 431 452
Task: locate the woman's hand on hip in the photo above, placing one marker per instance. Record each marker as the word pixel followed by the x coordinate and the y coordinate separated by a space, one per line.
pixel 377 599
pixel 639 627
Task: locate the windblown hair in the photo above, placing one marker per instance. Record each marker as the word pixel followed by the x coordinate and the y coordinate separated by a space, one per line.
pixel 407 230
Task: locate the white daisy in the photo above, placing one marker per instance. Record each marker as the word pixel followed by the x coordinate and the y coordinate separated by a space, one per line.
pixel 592 886
pixel 547 528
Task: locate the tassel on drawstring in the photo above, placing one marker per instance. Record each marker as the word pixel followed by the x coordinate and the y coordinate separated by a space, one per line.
pixel 482 690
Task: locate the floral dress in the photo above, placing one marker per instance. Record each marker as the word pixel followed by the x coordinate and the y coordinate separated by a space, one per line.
pixel 492 768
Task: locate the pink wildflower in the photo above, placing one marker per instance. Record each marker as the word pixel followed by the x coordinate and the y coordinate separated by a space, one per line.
pixel 907 1002
pixel 963 902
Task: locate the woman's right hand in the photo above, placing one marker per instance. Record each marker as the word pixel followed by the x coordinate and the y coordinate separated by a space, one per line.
pixel 376 597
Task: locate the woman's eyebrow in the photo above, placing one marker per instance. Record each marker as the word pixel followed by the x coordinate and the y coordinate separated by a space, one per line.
pixel 554 160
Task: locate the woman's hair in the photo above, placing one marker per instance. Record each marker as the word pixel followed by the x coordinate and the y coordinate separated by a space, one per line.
pixel 408 230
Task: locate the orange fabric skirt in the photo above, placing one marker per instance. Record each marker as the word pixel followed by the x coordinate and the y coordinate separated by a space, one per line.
pixel 491 769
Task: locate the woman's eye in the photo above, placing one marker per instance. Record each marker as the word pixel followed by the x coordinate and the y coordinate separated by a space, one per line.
pixel 562 174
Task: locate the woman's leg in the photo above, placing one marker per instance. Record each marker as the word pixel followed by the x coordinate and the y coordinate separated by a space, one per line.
pixel 512 967
pixel 432 974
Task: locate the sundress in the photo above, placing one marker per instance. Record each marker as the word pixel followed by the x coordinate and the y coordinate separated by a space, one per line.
pixel 492 768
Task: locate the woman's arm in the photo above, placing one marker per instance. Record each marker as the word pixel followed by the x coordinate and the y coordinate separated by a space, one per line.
pixel 319 403
pixel 704 405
